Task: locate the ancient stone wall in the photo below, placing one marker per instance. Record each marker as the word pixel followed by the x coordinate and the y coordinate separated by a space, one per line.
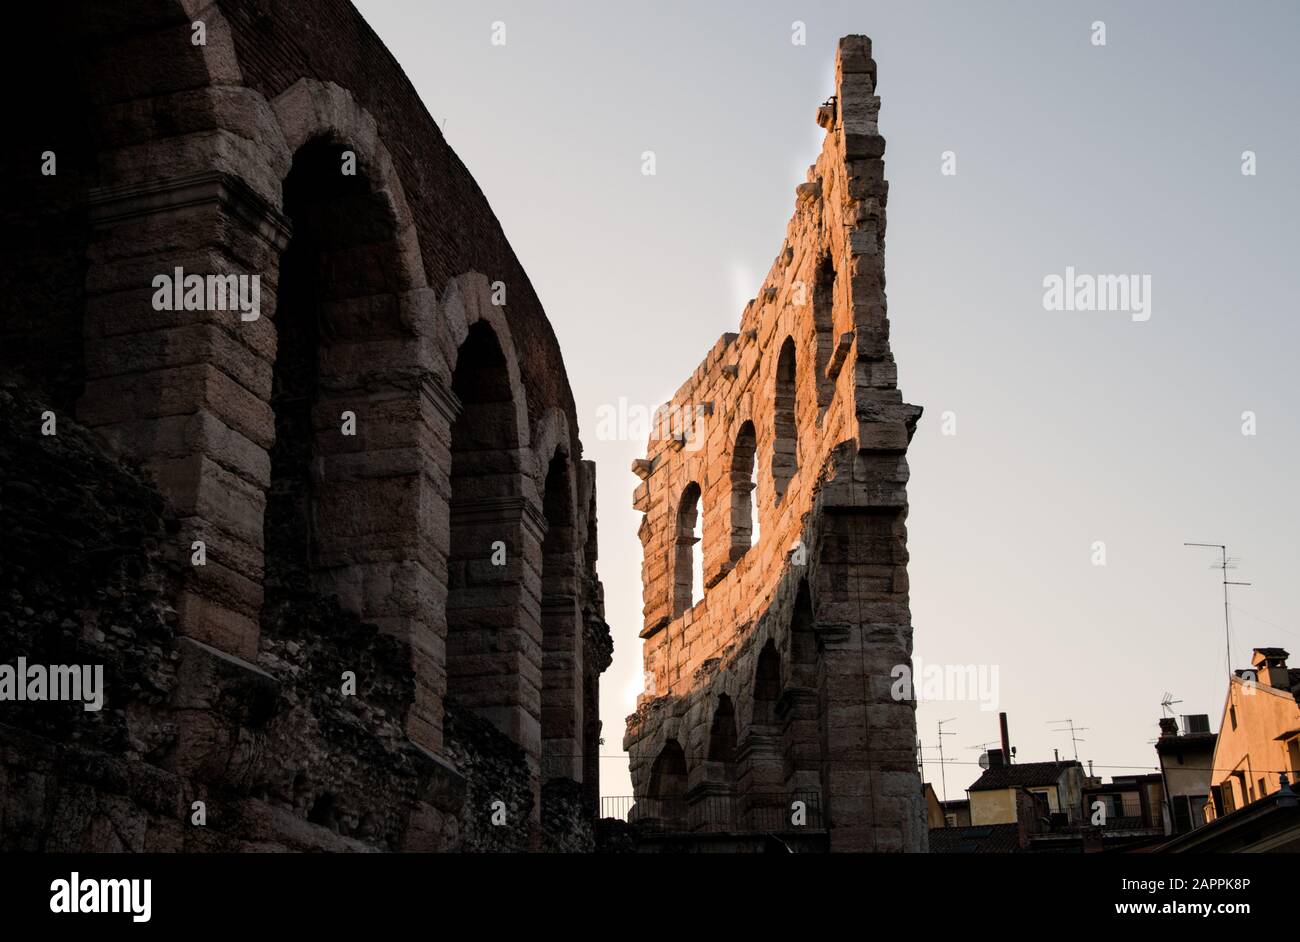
pixel 382 451
pixel 772 685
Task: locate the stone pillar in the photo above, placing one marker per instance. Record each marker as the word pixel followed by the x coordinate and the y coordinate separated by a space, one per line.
pixel 186 393
pixel 562 689
pixel 761 782
pixel 377 519
pixel 802 741
pixel 494 637
pixel 869 766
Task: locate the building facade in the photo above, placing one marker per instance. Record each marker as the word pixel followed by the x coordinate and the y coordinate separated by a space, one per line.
pixel 1259 734
pixel 779 469
pixel 267 306
pixel 1186 766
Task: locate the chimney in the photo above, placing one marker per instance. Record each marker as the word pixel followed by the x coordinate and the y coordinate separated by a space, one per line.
pixel 1168 727
pixel 996 760
pixel 1006 740
pixel 1270 667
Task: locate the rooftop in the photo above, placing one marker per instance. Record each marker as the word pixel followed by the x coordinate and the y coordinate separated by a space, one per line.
pixel 1026 774
pixel 982 839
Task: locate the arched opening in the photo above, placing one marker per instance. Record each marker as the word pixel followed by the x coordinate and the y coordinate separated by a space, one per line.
pixel 824 326
pixel 331 515
pixel 483 565
pixel 744 509
pixel 688 575
pixel 666 796
pixel 803 726
pixel 562 706
pixel 803 638
pixel 722 733
pixel 767 684
pixel 785 442
pixel 762 772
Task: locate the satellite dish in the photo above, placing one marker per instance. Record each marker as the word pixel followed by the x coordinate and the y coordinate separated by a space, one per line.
pixel 984 760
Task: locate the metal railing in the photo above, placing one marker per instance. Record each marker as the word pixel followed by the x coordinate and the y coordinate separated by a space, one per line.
pixel 792 811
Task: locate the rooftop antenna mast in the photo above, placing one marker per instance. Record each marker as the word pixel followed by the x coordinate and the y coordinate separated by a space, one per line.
pixel 1074 731
pixel 943 778
pixel 1226 562
pixel 1167 703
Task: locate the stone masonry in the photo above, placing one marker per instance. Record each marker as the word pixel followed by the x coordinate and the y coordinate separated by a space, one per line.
pixel 774 687
pixel 376 474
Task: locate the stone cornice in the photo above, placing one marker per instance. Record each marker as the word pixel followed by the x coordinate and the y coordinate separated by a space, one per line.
pixel 110 205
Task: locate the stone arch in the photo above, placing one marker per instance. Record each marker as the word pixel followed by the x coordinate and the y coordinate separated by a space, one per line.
pixel 177 184
pixel 469 516
pixel 823 309
pixel 488 514
pixel 802 719
pixel 743 506
pixel 338 389
pixel 562 707
pixel 684 553
pixel 785 429
pixel 767 684
pixel 722 732
pixel 761 762
pixel 803 639
pixel 310 110
pixel 466 301
pixel 666 794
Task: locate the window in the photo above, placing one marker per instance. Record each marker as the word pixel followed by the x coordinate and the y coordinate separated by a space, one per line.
pixel 785 445
pixel 688 576
pixel 744 509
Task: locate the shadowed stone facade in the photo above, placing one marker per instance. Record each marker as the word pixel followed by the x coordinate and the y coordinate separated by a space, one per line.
pixel 774 687
pixel 382 465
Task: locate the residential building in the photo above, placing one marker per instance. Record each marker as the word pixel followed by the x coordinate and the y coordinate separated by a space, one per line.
pixel 1259 735
pixel 1186 763
pixel 993 796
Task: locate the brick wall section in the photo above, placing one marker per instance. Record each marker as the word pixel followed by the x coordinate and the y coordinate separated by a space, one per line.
pixel 835 526
pixel 176 155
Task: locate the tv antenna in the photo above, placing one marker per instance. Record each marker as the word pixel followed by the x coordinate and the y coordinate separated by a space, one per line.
pixel 1167 702
pixel 943 778
pixel 1226 562
pixel 1074 730
pixel 984 751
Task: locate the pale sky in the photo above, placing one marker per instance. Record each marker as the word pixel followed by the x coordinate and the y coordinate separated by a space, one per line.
pixel 1072 427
